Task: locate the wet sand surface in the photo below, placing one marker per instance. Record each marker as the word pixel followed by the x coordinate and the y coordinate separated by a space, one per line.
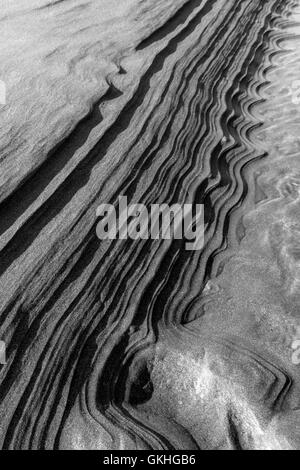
pixel 142 344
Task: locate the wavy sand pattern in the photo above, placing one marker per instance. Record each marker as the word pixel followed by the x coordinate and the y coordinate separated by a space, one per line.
pixel 142 344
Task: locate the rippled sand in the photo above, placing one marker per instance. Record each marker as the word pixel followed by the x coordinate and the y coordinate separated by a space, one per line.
pixel 142 344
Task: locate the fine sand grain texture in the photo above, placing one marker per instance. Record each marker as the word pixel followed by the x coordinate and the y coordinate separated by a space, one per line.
pixel 142 344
